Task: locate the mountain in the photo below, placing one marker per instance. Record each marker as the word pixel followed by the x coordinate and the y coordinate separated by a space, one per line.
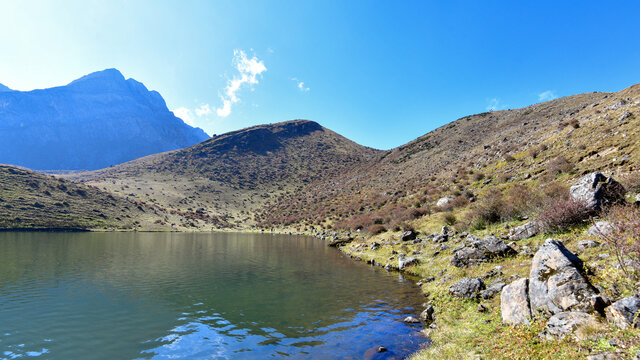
pixel 93 122
pixel 234 174
pixel 4 88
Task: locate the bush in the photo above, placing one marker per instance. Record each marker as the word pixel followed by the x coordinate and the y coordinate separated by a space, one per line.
pixel 508 158
pixel 625 239
pixel 489 208
pixel 559 165
pixel 449 219
pixel 376 229
pixel 522 200
pixel 560 215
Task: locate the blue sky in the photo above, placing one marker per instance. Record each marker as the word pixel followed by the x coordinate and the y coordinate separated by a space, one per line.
pixel 378 72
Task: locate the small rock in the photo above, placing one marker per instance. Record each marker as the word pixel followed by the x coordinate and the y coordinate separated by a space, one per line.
pixel 467 288
pixel 565 323
pixel 374 246
pixel 381 349
pixel 604 356
pixel 443 201
pixel 524 231
pixel 492 290
pixel 408 235
pixel 586 244
pixel 411 320
pixel 624 313
pixel 601 229
pixel 482 308
pixel 404 262
pixel 427 314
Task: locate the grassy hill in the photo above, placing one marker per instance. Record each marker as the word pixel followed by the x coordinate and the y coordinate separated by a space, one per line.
pixel 232 175
pixel 536 145
pixel 29 200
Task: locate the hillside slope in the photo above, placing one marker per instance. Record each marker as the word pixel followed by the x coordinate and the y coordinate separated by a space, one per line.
pixel 587 132
pixel 93 122
pixel 29 200
pixel 234 174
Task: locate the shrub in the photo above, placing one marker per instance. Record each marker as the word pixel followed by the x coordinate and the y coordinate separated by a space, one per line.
pixel 489 208
pixel 478 176
pixel 560 215
pixel 449 219
pixel 376 229
pixel 522 200
pixel 460 201
pixel 559 165
pixel 508 158
pixel 625 238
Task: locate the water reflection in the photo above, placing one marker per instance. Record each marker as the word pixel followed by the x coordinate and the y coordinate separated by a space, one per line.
pixel 144 295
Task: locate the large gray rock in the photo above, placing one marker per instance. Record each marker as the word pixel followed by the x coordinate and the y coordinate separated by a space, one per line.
pixel 476 250
pixel 556 281
pixel 566 323
pixel 428 314
pixel 514 303
pixel 624 313
pixel 524 231
pixel 597 190
pixel 467 288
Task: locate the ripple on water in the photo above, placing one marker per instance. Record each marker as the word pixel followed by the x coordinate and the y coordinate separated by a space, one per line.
pixel 236 296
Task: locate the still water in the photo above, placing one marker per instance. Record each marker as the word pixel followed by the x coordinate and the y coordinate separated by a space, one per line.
pixel 196 296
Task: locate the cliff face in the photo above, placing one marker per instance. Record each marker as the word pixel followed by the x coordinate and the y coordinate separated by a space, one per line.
pixel 94 122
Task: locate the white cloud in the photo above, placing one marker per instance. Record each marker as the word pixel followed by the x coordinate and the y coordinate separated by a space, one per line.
pixel 547 95
pixel 300 85
pixel 204 110
pixel 249 70
pixel 185 114
pixel 494 104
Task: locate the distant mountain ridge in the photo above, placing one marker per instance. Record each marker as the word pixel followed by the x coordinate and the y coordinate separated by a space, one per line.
pixel 96 121
pixel 4 88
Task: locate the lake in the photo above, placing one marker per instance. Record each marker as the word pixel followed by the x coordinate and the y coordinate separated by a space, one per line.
pixel 197 296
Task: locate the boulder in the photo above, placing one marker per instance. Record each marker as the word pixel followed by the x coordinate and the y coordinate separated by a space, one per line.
pixel 624 313
pixel 605 356
pixel 467 288
pixel 587 244
pixel 492 290
pixel 524 231
pixel 556 281
pixel 408 235
pixel 597 190
pixel 405 261
pixel 427 314
pixel 565 323
pixel 476 250
pixel 374 246
pixel 336 242
pixel 443 201
pixel 601 229
pixel 514 303
pixel 411 320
